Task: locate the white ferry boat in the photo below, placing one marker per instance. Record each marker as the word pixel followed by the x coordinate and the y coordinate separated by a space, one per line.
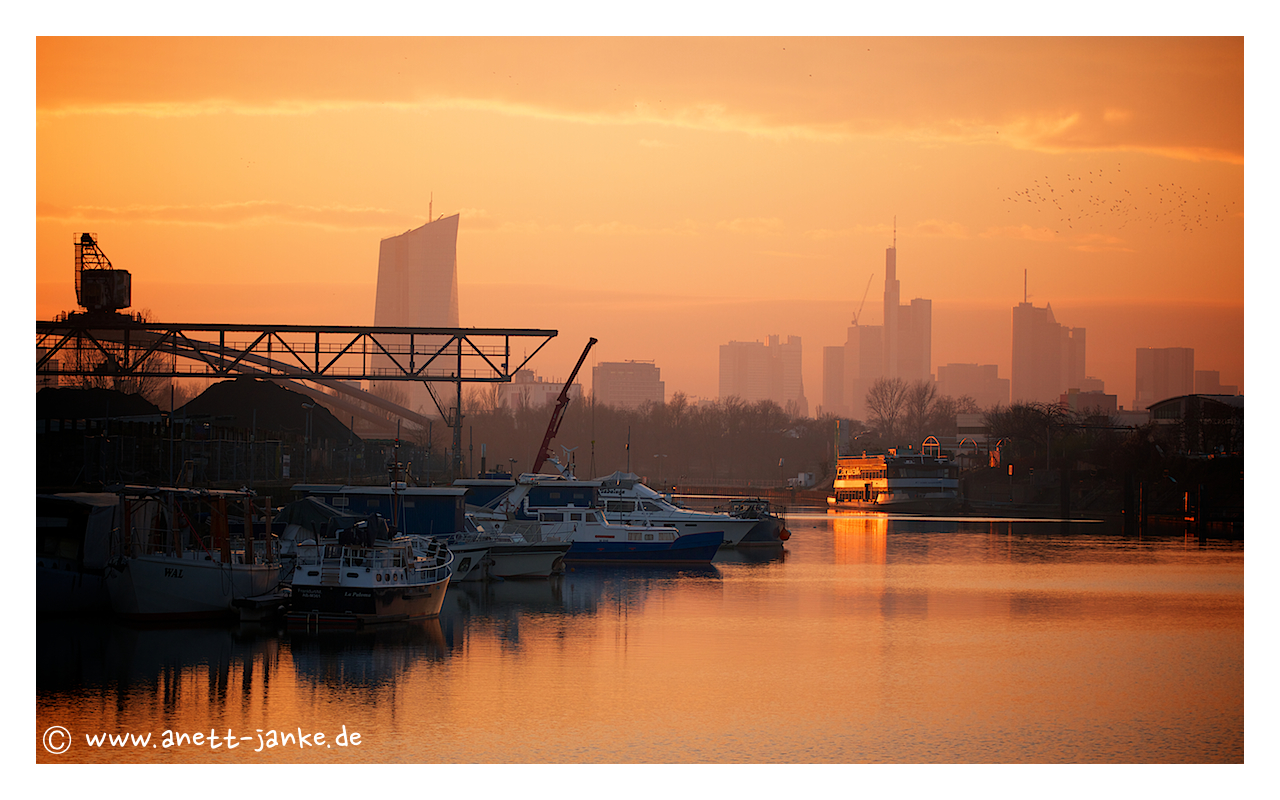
pixel 915 483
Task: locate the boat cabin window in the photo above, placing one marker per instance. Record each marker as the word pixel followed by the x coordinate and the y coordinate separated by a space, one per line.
pixel 575 517
pixel 551 516
pixel 648 506
pixel 619 506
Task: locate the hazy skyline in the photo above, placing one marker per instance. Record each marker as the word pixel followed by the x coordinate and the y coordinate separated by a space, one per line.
pixel 665 196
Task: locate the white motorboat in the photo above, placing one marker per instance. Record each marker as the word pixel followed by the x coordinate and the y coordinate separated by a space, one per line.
pixel 592 537
pixel 624 498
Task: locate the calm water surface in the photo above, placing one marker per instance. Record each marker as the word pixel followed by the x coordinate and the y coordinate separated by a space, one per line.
pixel 866 640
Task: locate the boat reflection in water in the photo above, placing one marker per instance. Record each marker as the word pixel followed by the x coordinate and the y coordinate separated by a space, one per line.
pixel 370 657
pixel 872 639
pixel 160 667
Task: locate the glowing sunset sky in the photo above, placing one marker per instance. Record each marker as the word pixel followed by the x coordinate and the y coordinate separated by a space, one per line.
pixel 665 196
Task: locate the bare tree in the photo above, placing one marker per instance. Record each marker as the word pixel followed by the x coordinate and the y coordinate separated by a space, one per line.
pixel 154 388
pixel 886 407
pixel 919 418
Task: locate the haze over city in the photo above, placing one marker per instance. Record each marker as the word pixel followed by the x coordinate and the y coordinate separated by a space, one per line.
pixel 665 196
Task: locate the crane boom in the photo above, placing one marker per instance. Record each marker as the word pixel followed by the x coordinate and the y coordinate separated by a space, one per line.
pixel 557 414
pixel 864 298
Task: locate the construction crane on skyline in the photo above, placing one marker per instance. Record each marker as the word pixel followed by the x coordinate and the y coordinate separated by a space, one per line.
pixel 858 313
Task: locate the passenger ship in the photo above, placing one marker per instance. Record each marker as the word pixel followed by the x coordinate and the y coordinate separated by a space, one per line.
pixel 916 483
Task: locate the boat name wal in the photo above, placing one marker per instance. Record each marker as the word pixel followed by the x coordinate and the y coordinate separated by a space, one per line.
pixel 170 572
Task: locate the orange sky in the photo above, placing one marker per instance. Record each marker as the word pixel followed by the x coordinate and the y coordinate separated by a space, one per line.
pixel 665 196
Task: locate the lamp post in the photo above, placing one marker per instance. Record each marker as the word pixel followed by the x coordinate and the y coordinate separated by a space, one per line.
pixel 306 463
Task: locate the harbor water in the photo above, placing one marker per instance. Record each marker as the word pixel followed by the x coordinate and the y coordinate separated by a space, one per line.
pixel 865 640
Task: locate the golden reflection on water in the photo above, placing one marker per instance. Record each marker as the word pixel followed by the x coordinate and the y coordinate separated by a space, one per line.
pixel 860 538
pixel 869 639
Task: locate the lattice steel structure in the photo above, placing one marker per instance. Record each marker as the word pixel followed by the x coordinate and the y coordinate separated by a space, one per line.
pixel 124 346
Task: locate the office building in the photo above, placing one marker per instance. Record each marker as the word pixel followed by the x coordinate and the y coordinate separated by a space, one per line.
pixel 418 288
pixel 755 371
pixel 1089 402
pixel 1208 381
pixel 1048 357
pixel 529 390
pixel 1163 372
pixel 833 402
pixel 981 382
pixel 908 329
pixel 901 347
pixel 627 384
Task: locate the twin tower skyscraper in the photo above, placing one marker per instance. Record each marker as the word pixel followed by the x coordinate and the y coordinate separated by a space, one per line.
pixel 418 288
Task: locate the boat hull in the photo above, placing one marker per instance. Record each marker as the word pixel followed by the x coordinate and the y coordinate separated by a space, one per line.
pixel 533 560
pixel 767 531
pixel 471 561
pixel 928 505
pixel 691 548
pixel 358 605
pixel 163 587
pixel 63 587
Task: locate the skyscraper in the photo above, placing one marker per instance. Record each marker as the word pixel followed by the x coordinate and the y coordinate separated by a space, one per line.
pixel 981 382
pixel 899 348
pixel 418 288
pixel 1048 358
pixel 756 371
pixel 1163 372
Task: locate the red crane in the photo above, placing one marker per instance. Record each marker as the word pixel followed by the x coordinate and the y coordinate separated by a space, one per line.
pixel 558 414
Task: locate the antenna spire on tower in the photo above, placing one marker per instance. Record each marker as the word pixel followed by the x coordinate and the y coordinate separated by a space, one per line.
pixel 895 231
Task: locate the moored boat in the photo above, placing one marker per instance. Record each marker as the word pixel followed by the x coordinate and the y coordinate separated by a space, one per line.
pixel 364 578
pixel 624 498
pixel 596 540
pixel 439 512
pixel 915 483
pixel 169 567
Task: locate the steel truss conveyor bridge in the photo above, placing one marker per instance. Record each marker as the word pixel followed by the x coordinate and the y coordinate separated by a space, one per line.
pixel 107 344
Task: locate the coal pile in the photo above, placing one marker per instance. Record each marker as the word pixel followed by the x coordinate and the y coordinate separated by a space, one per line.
pixel 66 403
pixel 246 402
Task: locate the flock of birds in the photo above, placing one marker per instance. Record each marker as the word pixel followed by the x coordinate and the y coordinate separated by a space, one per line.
pixel 1082 200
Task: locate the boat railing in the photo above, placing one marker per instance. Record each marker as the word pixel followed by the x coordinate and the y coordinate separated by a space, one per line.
pixel 192 548
pixel 430 569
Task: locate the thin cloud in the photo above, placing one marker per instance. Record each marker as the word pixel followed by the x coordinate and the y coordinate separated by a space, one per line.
pixel 940 229
pixel 753 225
pixel 1026 232
pixel 233 214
